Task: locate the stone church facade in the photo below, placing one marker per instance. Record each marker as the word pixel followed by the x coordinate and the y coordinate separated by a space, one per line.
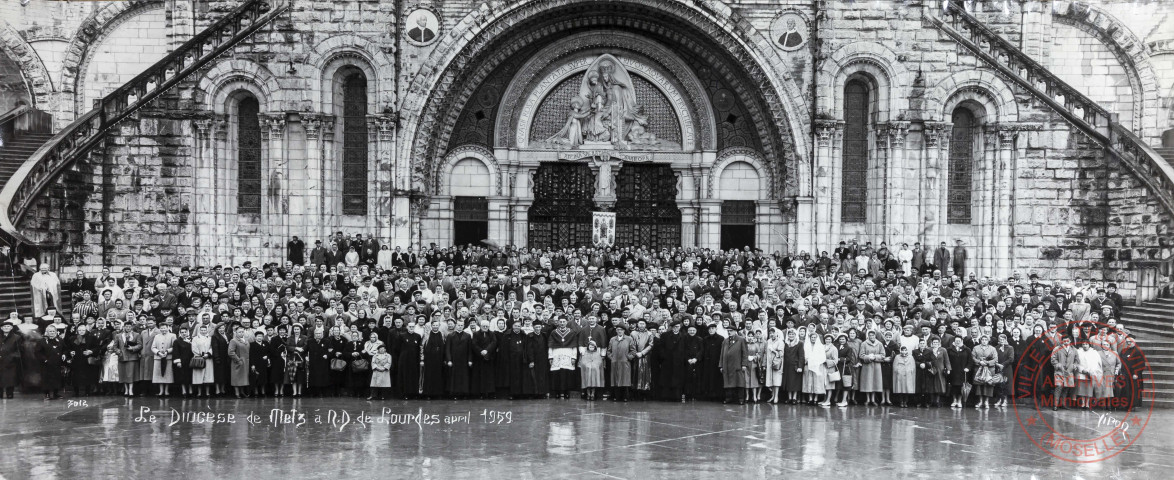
pixel 781 125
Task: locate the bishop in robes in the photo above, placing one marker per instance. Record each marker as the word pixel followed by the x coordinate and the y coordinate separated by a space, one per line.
pixel 563 350
pixel 432 375
pixel 46 291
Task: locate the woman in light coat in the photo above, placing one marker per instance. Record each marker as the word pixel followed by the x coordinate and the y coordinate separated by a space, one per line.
pixel 202 347
pixel 815 371
pixel 773 361
pixel 163 374
pixel 872 355
pixel 238 353
pixel 620 352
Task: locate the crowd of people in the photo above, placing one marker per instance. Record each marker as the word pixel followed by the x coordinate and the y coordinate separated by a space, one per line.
pixel 863 324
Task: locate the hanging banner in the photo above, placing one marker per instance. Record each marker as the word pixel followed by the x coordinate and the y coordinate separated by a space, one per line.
pixel 603 229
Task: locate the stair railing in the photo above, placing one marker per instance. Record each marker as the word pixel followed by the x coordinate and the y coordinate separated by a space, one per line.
pixel 77 139
pixel 1091 119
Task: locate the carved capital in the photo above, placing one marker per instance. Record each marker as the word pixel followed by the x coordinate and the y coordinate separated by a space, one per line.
pixel 202 125
pixel 385 124
pixel 896 130
pixel 275 124
pixel 828 130
pixel 312 122
pixel 936 133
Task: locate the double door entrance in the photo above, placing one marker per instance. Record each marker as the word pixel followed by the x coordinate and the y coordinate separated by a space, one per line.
pixel 646 208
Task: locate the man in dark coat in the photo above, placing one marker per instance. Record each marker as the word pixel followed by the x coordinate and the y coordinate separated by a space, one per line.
pixel 319 255
pixel 960 260
pixel 669 376
pixel 9 359
pixel 520 367
pixel 941 258
pixel 458 357
pixel 434 351
pixel 484 351
pixel 711 374
pixel 923 357
pixel 691 349
pixel 734 363
pixel 259 364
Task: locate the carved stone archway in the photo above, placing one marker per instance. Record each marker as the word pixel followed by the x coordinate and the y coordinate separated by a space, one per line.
pixel 489 40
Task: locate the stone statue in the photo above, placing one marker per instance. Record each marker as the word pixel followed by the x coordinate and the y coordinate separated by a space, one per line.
pixel 605 182
pixel 572 133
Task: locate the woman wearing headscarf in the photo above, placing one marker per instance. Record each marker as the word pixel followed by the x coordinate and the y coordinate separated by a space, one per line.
pixel 221 363
pixel 872 356
pixel 773 361
pixel 815 371
pixel 984 356
pixel 904 376
pixel 793 361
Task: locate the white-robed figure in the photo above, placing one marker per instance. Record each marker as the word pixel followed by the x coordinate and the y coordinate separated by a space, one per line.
pixel 46 291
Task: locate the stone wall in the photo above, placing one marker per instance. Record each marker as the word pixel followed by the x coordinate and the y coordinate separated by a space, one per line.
pixel 1045 199
pixel 12 84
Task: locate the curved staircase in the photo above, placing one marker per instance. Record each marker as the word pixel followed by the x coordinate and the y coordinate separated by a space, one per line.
pixel 26 172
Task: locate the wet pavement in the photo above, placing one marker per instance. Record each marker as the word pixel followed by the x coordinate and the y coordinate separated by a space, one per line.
pixel 351 438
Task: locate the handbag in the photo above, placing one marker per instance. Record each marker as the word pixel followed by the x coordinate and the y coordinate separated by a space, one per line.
pixel 338 364
pixel 199 362
pixel 360 365
pixel 983 376
pixel 847 379
pixel 94 361
pixel 833 376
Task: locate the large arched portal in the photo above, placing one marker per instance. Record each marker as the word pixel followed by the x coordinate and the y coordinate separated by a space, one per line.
pixel 640 97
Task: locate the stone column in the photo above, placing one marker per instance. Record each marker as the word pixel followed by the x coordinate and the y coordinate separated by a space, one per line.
pixel 897 216
pixel 275 186
pixel 222 192
pixel 710 211
pixel 203 215
pixel 933 198
pixel 826 203
pixel 311 195
pixel 1002 261
pixel 984 219
pixel 383 196
pixel 330 199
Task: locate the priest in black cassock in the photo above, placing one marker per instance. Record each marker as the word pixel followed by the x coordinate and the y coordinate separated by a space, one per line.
pixel 536 346
pixel 432 377
pixel 484 345
pixel 689 364
pixel 458 357
pixel 519 364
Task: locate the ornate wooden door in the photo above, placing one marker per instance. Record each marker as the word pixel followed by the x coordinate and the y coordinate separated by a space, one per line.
pixel 646 206
pixel 561 213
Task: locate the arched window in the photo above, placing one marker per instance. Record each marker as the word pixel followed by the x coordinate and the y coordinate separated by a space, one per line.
pixel 248 156
pixel 354 144
pixel 961 167
pixel 854 186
